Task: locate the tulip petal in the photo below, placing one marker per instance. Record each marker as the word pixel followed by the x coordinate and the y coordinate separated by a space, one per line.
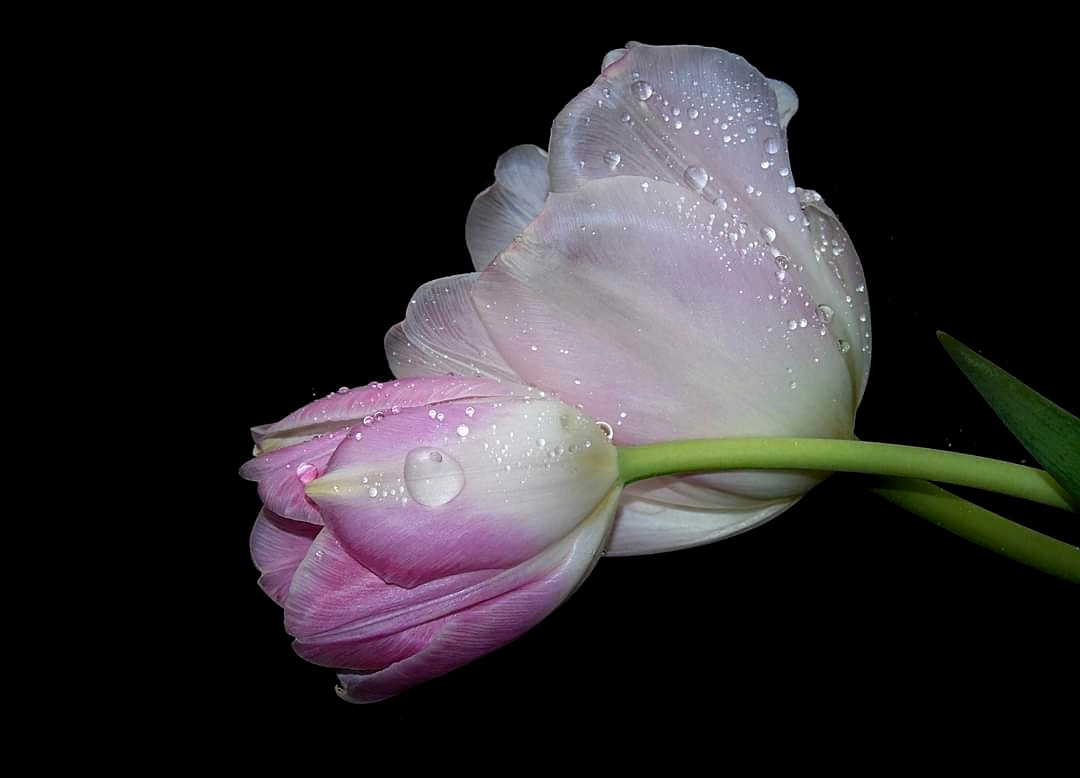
pixel 701 118
pixel 442 335
pixel 501 211
pixel 467 486
pixel 277 548
pixel 647 527
pixel 547 580
pixel 352 406
pixel 339 611
pixel 652 311
pixel 283 474
pixel 840 285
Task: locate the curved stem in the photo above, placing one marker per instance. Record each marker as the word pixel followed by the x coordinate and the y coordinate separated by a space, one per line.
pixel 852 456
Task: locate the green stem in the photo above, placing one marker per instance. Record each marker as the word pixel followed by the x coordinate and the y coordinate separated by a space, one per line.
pixel 852 456
pixel 981 526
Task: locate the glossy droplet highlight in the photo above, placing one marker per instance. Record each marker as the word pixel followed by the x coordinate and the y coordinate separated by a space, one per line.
pixel 463 430
pixel 432 477
pixel 696 178
pixel 768 234
pixel 842 346
pixel 612 159
pixel 606 428
pixel 772 145
pixel 825 312
pixel 642 90
pixel 306 472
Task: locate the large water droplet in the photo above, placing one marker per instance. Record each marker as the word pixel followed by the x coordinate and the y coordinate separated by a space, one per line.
pixel 768 233
pixel 825 312
pixel 306 472
pixel 693 113
pixel 612 159
pixel 696 178
pixel 433 477
pixel 772 145
pixel 642 90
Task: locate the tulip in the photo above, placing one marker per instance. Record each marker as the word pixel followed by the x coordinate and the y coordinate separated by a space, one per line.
pixel 413 526
pixel 661 271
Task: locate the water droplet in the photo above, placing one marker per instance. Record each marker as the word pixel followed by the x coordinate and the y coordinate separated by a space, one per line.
pixel 642 90
pixel 785 172
pixel 793 325
pixel 306 472
pixel 379 416
pixel 678 124
pixel 721 203
pixel 612 158
pixel 432 413
pixel 609 433
pixel 791 189
pixel 343 390
pixel 772 145
pixel 372 491
pixel 368 420
pixel 359 436
pixel 696 178
pixel 793 385
pixel 768 233
pixel 540 442
pixel 842 346
pixel 626 118
pixel 440 416
pixel 825 312
pixel 803 322
pixel 534 348
pixel 781 262
pixel 432 477
pixel 692 113
pixel 470 411
pixel 463 430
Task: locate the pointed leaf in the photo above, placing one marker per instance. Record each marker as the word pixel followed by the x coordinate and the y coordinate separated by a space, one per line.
pixel 1047 430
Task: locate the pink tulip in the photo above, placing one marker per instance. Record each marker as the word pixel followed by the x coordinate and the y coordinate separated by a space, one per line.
pixel 413 526
pixel 661 271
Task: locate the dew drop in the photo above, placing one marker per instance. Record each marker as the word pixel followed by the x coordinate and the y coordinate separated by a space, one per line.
pixel 769 234
pixel 793 325
pixel 470 411
pixel 369 420
pixel 678 124
pixel 642 90
pixel 696 177
pixel 358 436
pixel 772 145
pixel 612 159
pixel 609 433
pixel 843 346
pixel 343 390
pixel 432 413
pixel 825 312
pixel 782 262
pixel 793 385
pixel 432 477
pixel 463 430
pixel 306 472
pixel 372 491
pixel 785 172
pixel 693 113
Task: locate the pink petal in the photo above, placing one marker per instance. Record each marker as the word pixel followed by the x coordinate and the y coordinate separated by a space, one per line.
pixel 501 211
pixel 339 610
pixel 277 548
pixel 442 335
pixel 484 484
pixel 632 299
pixel 352 406
pixel 283 474
pixel 545 582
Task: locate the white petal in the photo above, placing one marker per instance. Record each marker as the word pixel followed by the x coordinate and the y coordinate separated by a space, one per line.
pixel 839 283
pixel 665 317
pixel 787 102
pixel 501 211
pixel 442 335
pixel 647 527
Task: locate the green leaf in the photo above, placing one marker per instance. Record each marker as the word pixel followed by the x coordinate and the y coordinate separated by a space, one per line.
pixel 1047 430
pixel 981 526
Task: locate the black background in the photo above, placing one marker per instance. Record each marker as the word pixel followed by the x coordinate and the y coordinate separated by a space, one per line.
pixel 341 162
